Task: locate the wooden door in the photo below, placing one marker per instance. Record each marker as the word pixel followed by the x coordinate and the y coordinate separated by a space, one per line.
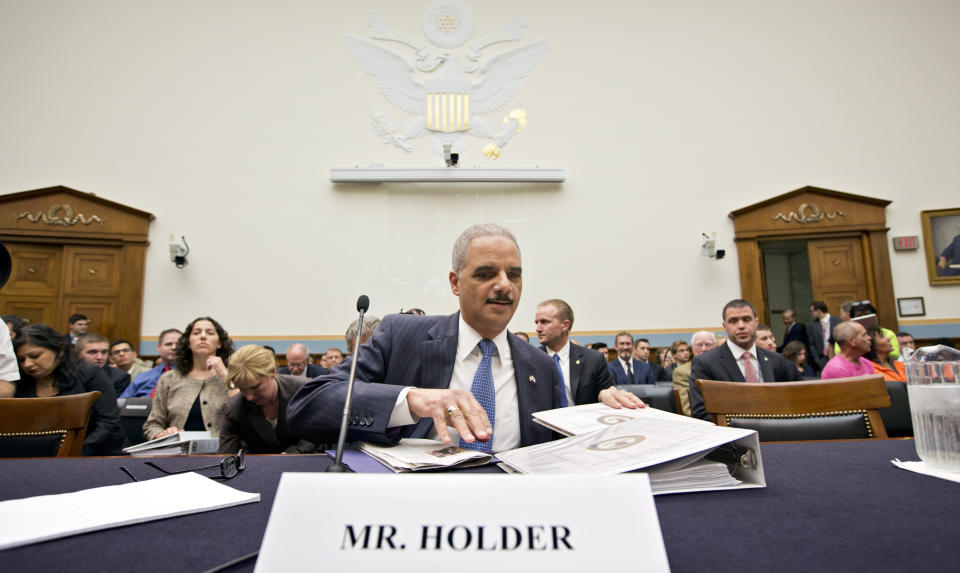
pixel 837 271
pixel 33 291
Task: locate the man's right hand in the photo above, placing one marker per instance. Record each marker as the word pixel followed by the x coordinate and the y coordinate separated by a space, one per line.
pixel 457 408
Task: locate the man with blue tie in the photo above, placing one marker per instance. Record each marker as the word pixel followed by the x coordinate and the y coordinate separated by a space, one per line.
pixel 626 369
pixel 583 372
pixel 461 378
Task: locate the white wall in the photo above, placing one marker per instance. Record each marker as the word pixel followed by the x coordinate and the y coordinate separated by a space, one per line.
pixel 223 118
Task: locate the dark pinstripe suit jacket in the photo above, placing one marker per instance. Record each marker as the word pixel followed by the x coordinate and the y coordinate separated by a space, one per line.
pixel 411 350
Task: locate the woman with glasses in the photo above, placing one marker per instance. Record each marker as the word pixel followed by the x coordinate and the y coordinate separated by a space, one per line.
pixel 256 418
pixel 48 367
pixel 193 396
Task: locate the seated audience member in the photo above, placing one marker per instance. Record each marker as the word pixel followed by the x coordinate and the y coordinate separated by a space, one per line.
pixel 665 357
pixel 680 351
pixel 739 359
pixel 864 308
pixel 792 330
pixel 145 383
pixel 48 367
pixel 9 372
pixel 765 338
pixel 879 355
pixel 298 363
pixel 125 358
pixel 77 325
pixel 370 324
pixel 907 344
pixel 256 418
pixel 14 324
pixel 641 351
pixel 583 374
pixel 272 351
pixel 193 396
pixel 626 369
pixel 523 336
pixel 796 352
pixel 601 347
pixel 333 356
pixel 854 343
pixel 700 342
pixel 416 311
pixel 94 349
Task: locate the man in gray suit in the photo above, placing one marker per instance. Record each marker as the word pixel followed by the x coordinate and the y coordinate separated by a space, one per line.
pixel 425 376
pixel 584 372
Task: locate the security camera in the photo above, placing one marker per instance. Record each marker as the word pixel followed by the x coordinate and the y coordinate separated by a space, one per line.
pixel 450 158
pixel 179 251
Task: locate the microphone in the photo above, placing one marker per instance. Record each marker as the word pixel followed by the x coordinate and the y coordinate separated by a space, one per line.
pixel 363 304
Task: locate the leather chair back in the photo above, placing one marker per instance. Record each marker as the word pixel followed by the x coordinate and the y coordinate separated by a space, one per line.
pixel 42 427
pixel 660 397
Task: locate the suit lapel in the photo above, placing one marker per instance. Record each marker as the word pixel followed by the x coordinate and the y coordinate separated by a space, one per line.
pixel 258 421
pixel 576 369
pixel 527 385
pixel 437 356
pixel 766 366
pixel 636 371
pixel 730 365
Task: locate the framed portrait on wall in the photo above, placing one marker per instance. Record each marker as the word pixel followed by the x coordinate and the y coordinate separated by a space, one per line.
pixel 941 245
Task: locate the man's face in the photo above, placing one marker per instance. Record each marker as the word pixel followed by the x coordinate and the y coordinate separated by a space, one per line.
pixel 624 347
pixel 167 347
pixel 741 326
pixel 489 284
pixel 551 330
pixel 95 353
pixel 123 355
pixel 789 318
pixel 817 314
pixel 79 327
pixel 642 351
pixel 702 343
pixel 907 342
pixel 766 340
pixel 297 361
pixel 333 357
pixel 861 342
pixel 682 355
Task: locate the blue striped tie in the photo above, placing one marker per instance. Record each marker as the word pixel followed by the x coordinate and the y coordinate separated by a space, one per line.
pixel 483 390
pixel 563 385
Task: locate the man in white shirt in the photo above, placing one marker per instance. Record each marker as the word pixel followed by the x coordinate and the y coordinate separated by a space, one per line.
pixel 461 378
pixel 739 359
pixel 9 370
pixel 584 373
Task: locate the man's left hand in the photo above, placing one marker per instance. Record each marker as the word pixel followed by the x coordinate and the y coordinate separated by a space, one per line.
pixel 617 398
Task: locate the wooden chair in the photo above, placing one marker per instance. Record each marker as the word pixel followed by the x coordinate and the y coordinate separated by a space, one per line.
pixel 44 427
pixel 842 408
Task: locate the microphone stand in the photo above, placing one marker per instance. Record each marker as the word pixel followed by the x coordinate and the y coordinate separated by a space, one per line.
pixel 363 303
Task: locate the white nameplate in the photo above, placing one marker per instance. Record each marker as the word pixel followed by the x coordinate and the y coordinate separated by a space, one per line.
pixel 475 522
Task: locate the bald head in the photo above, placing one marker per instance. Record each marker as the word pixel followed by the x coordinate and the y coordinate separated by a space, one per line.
pixel 702 341
pixel 297 356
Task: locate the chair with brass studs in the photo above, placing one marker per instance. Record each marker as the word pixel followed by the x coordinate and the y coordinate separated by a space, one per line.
pixel 842 408
pixel 44 427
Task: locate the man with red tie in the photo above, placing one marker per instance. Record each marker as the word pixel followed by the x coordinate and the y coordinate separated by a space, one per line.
pixel 146 382
pixel 739 359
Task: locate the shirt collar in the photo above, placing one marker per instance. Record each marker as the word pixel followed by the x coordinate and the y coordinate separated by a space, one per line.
pixel 563 352
pixel 468 339
pixel 624 362
pixel 738 352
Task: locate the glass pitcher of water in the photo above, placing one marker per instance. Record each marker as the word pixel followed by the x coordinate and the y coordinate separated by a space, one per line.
pixel 933 384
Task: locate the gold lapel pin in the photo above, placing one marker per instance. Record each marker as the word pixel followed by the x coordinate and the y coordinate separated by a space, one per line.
pixel 578 362
pixel 533 379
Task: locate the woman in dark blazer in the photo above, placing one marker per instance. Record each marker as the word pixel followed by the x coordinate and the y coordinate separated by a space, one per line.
pixel 48 367
pixel 256 418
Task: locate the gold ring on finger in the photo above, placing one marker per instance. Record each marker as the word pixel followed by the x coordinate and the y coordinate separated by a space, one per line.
pixel 453 411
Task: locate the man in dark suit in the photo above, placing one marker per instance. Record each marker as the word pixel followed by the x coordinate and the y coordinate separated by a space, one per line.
pixel 739 359
pixel 77 324
pixel 641 352
pixel 820 334
pixel 470 373
pixel 793 330
pixel 626 369
pixel 298 363
pixel 584 372
pixel 94 349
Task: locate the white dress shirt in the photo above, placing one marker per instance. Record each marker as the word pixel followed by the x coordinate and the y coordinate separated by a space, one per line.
pixel 738 352
pixel 564 354
pixel 627 369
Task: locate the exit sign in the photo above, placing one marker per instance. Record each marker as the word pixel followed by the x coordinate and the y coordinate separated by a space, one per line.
pixel 906 243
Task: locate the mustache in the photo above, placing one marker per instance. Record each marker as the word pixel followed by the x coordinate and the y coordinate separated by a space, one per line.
pixel 502 297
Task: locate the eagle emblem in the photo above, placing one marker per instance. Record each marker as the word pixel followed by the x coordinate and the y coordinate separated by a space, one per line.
pixel 458 91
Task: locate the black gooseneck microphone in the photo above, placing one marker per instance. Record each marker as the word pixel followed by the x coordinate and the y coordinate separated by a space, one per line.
pixel 363 303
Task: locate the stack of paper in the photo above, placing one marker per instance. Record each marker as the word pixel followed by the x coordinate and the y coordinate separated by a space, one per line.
pixel 411 455
pixel 181 443
pixel 670 448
